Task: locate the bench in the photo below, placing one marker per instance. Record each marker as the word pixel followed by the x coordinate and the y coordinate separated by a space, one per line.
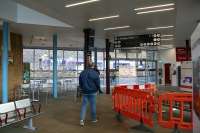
pixel 7 113
pixel 18 111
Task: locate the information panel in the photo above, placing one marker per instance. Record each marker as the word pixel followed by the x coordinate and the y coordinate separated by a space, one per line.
pixel 137 40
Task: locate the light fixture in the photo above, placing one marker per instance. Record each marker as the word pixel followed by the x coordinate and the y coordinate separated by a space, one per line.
pixel 120 27
pixel 162 27
pixel 153 11
pixel 151 7
pixel 103 18
pixel 81 3
pixel 167 35
pixel 167 39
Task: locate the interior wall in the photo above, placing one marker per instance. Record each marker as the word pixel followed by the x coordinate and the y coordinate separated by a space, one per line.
pixel 195 45
pixel 168 56
pixel 15 67
pixel 196 120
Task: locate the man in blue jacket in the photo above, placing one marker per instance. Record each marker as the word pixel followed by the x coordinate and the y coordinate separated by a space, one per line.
pixel 89 83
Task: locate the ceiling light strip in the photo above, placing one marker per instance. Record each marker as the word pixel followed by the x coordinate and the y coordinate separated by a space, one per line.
pixel 120 27
pixel 103 18
pixel 167 35
pixel 157 6
pixel 81 3
pixel 153 11
pixel 167 39
pixel 163 27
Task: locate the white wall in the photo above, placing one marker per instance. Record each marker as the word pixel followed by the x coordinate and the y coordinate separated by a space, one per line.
pixel 168 56
pixel 195 42
pixel 196 121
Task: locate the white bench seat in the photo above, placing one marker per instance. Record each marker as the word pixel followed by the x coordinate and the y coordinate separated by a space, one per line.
pixel 21 110
pixel 7 113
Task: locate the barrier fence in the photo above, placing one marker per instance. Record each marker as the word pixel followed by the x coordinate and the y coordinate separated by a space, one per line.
pixel 135 104
pixel 140 103
pixel 178 108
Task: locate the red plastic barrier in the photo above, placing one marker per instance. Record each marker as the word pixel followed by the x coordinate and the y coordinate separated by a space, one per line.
pixel 147 87
pixel 137 87
pixel 150 87
pixel 134 104
pixel 171 102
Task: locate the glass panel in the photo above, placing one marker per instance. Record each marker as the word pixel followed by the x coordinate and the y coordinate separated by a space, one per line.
pixel 60 60
pixel 151 55
pixel 127 72
pixel 131 55
pixel 112 54
pixel 41 59
pixel 28 57
pixel 100 60
pixel 70 58
pixel 120 54
pixel 93 55
pixel 143 55
pixel 80 60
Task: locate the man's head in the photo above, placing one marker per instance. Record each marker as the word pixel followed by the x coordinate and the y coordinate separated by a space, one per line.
pixel 91 65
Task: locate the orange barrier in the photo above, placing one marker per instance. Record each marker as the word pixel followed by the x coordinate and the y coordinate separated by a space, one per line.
pixel 137 87
pixel 150 87
pixel 140 102
pixel 147 87
pixel 171 102
pixel 134 104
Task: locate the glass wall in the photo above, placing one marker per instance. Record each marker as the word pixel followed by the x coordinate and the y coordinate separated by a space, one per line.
pixel 134 66
pixel 128 67
pixel 70 65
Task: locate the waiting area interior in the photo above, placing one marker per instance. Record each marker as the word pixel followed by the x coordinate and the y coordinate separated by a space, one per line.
pixel 146 54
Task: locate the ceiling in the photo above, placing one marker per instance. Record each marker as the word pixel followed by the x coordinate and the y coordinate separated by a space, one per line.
pixel 183 18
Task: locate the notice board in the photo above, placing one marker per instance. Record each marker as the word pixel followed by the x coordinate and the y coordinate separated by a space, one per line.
pixel 181 54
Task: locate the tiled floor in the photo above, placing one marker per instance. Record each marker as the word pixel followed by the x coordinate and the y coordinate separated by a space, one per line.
pixel 62 116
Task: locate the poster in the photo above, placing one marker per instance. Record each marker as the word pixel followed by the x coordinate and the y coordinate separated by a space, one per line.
pixel 26 74
pixel 196 86
pixel 186 76
pixel 181 54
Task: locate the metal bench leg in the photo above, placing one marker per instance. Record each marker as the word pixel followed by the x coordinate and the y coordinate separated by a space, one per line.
pixel 29 125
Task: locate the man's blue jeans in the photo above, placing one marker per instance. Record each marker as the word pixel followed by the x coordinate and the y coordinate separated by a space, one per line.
pixel 92 100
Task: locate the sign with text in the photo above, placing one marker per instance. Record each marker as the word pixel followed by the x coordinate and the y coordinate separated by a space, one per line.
pixel 137 40
pixel 181 54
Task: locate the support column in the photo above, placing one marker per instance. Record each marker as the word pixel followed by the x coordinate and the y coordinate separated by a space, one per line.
pixel 107 66
pixel 55 85
pixel 89 43
pixel 95 56
pixel 5 62
pixel 188 50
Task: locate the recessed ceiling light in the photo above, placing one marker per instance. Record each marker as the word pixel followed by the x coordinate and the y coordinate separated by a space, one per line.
pixel 167 39
pixel 153 11
pixel 162 27
pixel 120 27
pixel 103 18
pixel 167 35
pixel 151 7
pixel 81 3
